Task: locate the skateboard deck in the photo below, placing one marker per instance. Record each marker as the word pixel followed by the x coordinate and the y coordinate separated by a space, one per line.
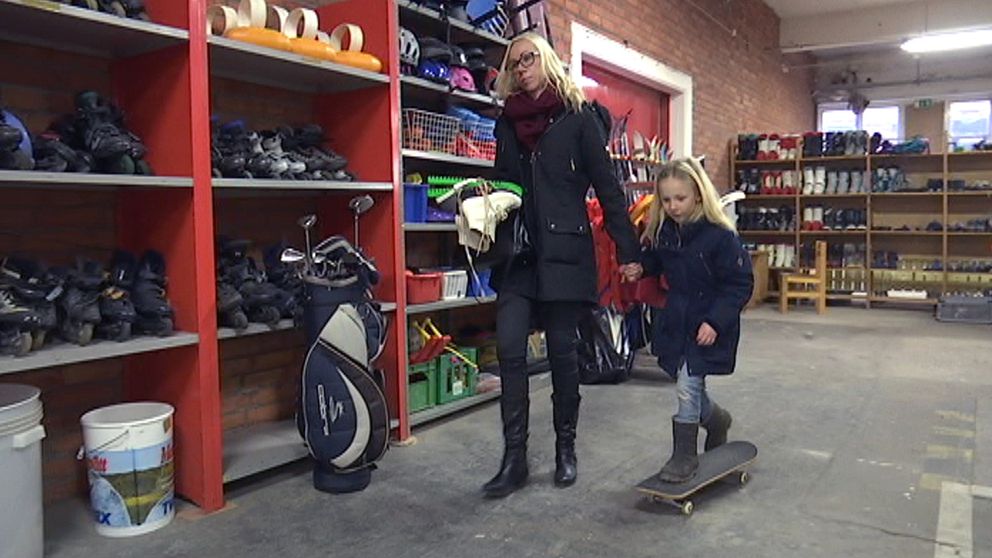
pixel 724 461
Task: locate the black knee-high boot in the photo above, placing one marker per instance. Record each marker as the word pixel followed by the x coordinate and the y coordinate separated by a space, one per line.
pixel 566 417
pixel 515 411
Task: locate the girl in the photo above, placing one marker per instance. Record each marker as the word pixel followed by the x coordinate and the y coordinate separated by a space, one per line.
pixel 695 244
pixel 549 141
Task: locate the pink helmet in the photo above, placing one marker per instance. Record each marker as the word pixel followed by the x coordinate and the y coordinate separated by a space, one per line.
pixel 461 78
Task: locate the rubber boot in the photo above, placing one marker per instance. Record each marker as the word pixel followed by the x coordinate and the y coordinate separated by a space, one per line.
pixel 684 462
pixel 512 475
pixel 566 416
pixel 716 425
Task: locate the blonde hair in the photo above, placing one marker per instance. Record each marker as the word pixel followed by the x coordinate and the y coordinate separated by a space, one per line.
pixel 554 70
pixel 691 171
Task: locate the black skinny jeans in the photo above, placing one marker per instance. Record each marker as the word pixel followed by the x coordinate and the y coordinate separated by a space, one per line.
pixel 559 321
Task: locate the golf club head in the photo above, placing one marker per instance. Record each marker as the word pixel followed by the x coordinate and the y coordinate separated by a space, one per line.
pixel 361 204
pixel 292 256
pixel 307 221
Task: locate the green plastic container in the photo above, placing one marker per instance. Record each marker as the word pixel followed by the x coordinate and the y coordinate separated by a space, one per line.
pixel 421 391
pixel 456 379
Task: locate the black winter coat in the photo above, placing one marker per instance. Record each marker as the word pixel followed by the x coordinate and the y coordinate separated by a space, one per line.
pixel 709 280
pixel 569 157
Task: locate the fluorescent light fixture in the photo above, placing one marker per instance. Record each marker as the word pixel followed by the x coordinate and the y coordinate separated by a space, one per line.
pixel 948 41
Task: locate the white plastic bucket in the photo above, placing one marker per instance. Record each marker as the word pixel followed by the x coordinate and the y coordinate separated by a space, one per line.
pixel 21 432
pixel 129 461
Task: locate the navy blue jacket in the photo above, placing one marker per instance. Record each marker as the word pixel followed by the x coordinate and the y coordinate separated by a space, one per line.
pixel 710 280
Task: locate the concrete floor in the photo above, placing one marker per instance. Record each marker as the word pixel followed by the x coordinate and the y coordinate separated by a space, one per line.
pixel 859 417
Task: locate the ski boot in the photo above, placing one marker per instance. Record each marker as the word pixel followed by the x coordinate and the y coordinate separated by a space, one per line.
pixel 263 300
pixel 134 9
pixel 36 290
pixel 308 141
pixel 52 155
pixel 79 306
pixel 231 150
pixel 100 129
pixel 155 313
pixel 230 307
pixel 15 153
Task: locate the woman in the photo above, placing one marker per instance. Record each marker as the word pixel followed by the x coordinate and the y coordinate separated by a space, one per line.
pixel 549 141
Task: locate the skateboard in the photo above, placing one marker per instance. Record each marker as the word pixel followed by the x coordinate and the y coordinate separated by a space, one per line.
pixel 728 460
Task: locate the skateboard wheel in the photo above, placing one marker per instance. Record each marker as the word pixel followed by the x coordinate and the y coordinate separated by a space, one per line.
pixel 743 478
pixel 687 507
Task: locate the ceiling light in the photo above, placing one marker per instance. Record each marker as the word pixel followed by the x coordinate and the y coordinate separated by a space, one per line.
pixel 949 41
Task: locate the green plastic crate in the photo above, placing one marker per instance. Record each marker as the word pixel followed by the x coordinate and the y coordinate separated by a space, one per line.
pixel 421 391
pixel 455 379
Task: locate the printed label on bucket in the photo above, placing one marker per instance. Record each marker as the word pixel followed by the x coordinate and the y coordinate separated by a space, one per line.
pixel 132 487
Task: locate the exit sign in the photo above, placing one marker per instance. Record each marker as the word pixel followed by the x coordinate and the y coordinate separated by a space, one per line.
pixel 924 103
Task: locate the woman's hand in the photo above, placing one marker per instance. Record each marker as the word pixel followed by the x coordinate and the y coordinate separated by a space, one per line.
pixel 631 272
pixel 706 335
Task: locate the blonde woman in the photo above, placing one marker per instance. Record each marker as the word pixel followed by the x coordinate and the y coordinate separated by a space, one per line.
pixel 695 245
pixel 550 141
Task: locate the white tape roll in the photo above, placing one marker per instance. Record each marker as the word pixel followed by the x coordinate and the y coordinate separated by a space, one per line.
pixel 356 38
pixel 276 19
pixel 221 19
pixel 302 23
pixel 252 13
pixel 323 37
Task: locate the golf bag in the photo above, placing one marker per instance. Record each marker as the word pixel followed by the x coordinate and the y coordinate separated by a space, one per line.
pixel 342 410
pixel 605 352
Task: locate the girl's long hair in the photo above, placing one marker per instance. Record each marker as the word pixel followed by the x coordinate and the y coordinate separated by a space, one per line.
pixel 691 171
pixel 558 79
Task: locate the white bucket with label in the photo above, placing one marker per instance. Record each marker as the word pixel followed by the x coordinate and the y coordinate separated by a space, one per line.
pixel 21 432
pixel 128 449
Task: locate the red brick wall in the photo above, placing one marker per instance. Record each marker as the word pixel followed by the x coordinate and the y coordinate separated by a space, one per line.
pixel 738 81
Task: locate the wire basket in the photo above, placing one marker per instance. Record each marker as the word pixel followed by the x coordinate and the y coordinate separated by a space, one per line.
pixel 428 131
pixel 468 147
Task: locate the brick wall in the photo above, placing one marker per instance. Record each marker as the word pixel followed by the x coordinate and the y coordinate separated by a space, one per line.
pixel 738 80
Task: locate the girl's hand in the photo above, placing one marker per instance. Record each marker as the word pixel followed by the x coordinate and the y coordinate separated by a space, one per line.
pixel 706 335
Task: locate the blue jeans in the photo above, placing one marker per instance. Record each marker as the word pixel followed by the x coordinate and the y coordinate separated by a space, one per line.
pixel 694 404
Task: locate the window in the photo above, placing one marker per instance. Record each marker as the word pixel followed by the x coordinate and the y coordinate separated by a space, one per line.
pixel 968 121
pixel 886 120
pixel 838 121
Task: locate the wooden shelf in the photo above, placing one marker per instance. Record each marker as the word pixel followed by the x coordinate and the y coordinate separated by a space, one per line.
pixel 979 193
pixel 67 180
pixel 969 233
pixel 460 31
pixel 833 196
pixel 243 61
pixel 537 382
pixel 894 299
pixel 834 233
pixel 332 185
pixel 769 233
pixel 769 163
pixel 834 159
pixel 447 158
pixel 55 25
pixel 448 305
pixel 938 157
pixel 429 227
pixel 419 87
pixel 906 233
pixel 906 194
pixel 969 154
pixel 842 296
pixel 62 354
pixel 253 449
pixel 768 197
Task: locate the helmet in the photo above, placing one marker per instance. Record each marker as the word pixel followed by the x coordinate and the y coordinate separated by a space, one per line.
pixel 433 49
pixel 409 47
pixel 462 79
pixel 434 71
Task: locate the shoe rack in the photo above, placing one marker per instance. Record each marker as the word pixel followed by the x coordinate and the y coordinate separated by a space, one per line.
pixel 170 77
pixel 920 224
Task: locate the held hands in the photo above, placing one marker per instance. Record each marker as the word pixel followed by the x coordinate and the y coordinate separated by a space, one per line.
pixel 706 335
pixel 631 272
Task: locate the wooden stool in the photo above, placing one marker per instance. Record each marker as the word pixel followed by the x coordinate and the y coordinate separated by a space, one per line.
pixel 807 286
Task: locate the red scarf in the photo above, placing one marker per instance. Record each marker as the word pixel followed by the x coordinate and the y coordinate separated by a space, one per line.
pixel 530 116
